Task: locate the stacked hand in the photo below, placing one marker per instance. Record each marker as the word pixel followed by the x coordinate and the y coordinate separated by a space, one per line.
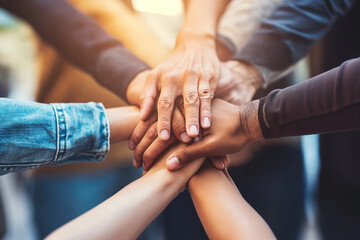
pixel 186 83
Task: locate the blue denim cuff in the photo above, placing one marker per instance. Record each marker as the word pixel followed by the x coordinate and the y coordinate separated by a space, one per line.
pixel 82 133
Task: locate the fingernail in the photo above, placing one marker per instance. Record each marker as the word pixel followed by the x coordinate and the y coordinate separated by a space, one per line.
pixel 184 137
pixel 131 145
pixel 173 163
pixel 222 163
pixel 196 139
pixel 164 134
pixel 206 122
pixel 135 163
pixel 193 130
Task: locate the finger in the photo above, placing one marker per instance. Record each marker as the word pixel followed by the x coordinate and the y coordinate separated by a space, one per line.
pixel 155 149
pixel 136 164
pixel 140 130
pixel 217 162
pixel 191 105
pixel 149 95
pixel 226 160
pixel 145 142
pixel 165 110
pixel 178 126
pixel 220 162
pixel 205 102
pixel 182 156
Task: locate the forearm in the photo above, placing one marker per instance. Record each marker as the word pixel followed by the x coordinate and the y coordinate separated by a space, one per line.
pixel 289 33
pixel 128 212
pixel 202 16
pixel 223 212
pixel 80 40
pixel 125 215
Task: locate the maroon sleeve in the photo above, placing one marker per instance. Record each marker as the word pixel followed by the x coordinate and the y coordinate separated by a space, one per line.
pixel 80 40
pixel 329 102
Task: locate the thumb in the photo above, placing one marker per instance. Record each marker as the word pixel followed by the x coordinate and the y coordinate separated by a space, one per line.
pixel 189 153
pixel 148 99
pixel 220 162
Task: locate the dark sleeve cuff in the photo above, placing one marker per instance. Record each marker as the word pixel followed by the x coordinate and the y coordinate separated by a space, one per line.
pixel 262 120
pixel 267 52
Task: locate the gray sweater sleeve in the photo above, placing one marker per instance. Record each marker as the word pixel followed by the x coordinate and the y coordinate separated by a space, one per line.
pixel 290 31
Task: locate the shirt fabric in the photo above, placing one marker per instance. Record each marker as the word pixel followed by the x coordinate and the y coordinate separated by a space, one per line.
pixel 329 102
pixel 289 33
pixel 34 134
pixel 80 40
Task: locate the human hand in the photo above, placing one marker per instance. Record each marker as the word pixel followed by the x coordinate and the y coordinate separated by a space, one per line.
pixel 192 71
pixel 135 88
pixel 149 145
pixel 233 126
pixel 238 82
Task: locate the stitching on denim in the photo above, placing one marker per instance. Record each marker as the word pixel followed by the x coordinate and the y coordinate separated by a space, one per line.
pixel 107 128
pixel 57 134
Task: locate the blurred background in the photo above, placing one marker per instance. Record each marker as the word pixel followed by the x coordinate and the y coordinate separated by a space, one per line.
pixel 278 178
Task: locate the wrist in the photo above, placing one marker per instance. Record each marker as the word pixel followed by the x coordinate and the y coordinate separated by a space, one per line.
pixel 168 181
pixel 203 36
pixel 249 120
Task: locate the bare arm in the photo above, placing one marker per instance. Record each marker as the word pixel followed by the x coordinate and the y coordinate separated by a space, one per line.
pixel 126 214
pixel 223 212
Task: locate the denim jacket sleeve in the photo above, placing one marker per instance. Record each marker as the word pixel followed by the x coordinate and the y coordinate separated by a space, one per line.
pixel 290 31
pixel 34 134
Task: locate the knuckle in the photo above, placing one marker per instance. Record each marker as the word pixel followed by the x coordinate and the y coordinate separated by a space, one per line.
pixel 138 153
pixel 192 71
pixel 178 126
pixel 205 93
pixel 209 74
pixel 171 77
pixel 186 155
pixel 165 103
pixel 148 156
pixel 191 98
pixel 152 133
pixel 163 122
pixel 135 137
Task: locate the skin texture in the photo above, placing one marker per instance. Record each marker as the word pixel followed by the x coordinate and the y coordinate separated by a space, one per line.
pixel 238 83
pixel 224 213
pixel 233 127
pixel 145 141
